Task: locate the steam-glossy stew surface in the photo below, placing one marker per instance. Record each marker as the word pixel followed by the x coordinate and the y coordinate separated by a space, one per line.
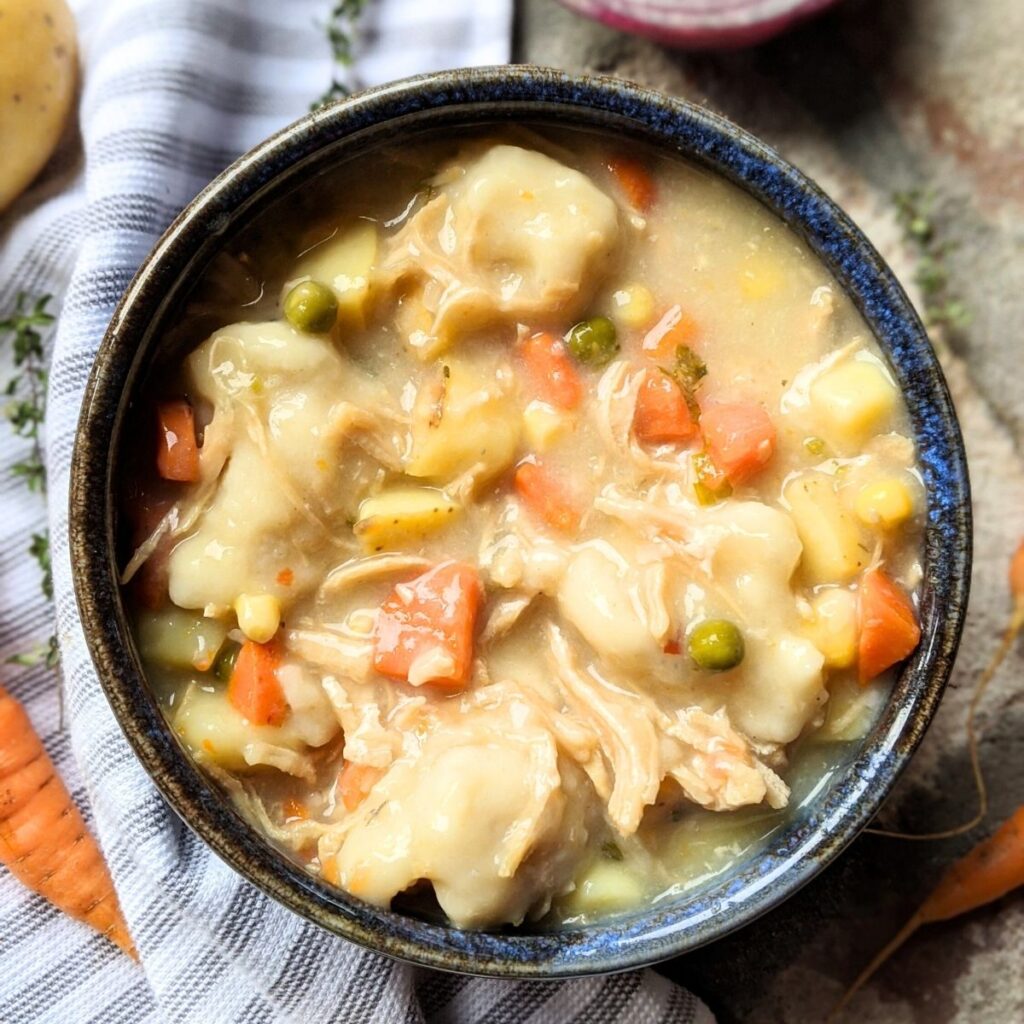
pixel 529 524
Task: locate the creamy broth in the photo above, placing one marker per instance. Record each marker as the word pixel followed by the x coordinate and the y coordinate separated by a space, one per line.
pixel 552 524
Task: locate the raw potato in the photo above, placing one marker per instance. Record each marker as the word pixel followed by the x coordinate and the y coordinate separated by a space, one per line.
pixel 400 516
pixel 344 262
pixel 831 540
pixel 38 70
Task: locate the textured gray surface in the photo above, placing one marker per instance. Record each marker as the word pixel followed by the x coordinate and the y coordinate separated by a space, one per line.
pixel 874 97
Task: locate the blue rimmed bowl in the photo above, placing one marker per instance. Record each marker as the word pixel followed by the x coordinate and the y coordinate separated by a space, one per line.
pixel 823 825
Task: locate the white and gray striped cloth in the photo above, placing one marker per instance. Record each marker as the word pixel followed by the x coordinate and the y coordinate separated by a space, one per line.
pixel 172 91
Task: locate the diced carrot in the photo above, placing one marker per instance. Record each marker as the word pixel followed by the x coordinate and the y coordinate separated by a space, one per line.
pixel 672 647
pixel 551 371
pixel 740 438
pixel 355 782
pixel 177 456
pixel 285 578
pixel 424 632
pixel 888 625
pixel 675 328
pixel 254 689
pixel 662 414
pixel 635 181
pixel 544 496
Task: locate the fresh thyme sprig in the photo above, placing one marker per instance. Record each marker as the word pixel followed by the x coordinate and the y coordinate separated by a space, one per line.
pixel 341 31
pixel 942 307
pixel 25 411
pixel 27 388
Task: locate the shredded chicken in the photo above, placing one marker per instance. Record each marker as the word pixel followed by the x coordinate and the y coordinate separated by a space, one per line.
pixel 361 570
pixel 281 758
pixel 514 555
pixel 642 744
pixel 504 613
pixel 294 835
pixel 342 649
pixel 368 429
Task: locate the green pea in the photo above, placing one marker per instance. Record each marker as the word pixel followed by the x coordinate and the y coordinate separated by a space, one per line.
pixel 716 645
pixel 593 341
pixel 311 307
pixel 224 663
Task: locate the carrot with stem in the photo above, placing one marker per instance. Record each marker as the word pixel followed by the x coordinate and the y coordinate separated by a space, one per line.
pixel 43 839
pixel 985 873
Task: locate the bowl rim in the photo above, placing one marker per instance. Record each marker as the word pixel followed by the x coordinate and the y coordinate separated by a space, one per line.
pixel 528 93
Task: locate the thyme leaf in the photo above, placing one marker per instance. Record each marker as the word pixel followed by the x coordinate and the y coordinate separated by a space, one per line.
pixel 915 214
pixel 341 30
pixel 26 390
pixel 25 411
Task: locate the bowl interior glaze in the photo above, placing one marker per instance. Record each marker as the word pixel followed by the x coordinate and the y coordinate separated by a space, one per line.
pixel 851 795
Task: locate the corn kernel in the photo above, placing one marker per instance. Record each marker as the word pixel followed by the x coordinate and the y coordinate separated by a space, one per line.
pixel 833 626
pixel 855 397
pixel 544 425
pixel 760 277
pixel 259 615
pixel 887 503
pixel 634 306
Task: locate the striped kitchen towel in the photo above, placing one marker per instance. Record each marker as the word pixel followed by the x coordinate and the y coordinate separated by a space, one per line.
pixel 172 91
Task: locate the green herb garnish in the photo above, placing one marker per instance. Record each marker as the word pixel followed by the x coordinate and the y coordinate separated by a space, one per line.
pixel 688 371
pixel 26 411
pixel 815 446
pixel 914 211
pixel 710 486
pixel 341 34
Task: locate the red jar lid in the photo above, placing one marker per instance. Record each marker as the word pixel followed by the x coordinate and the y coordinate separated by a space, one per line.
pixel 700 24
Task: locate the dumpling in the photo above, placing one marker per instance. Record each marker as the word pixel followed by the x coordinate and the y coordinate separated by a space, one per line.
pixel 780 685
pixel 616 605
pixel 486 811
pixel 516 236
pixel 289 402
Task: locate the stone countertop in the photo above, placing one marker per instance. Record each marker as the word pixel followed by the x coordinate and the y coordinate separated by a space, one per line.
pixel 875 97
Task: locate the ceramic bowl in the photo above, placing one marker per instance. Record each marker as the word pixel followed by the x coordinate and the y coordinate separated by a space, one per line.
pixel 842 805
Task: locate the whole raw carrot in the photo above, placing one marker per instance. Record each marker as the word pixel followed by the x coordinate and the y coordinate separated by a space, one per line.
pixel 43 839
pixel 991 869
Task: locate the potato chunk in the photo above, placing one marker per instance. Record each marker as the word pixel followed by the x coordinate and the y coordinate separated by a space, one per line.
pixel 216 732
pixel 833 552
pixel 854 398
pixel 400 515
pixel 463 421
pixel 604 888
pixel 180 639
pixel 343 262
